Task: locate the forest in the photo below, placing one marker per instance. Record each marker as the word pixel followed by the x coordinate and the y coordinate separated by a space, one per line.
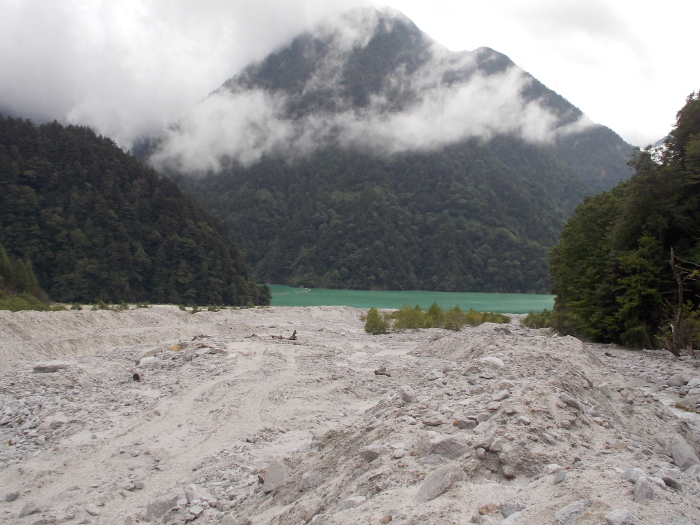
pixel 627 268
pixel 472 217
pixel 94 224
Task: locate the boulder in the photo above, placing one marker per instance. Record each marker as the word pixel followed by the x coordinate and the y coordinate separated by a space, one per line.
pixel 509 507
pixel 47 367
pixel 195 492
pixel 438 481
pixel 682 453
pixel 310 480
pixel 157 507
pixel 620 517
pixel 275 475
pixel 643 490
pixel 449 448
pixel 570 513
pixel 676 380
pixel 408 395
pixel 29 508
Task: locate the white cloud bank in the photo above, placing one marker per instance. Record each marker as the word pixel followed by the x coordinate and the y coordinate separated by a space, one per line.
pixel 243 125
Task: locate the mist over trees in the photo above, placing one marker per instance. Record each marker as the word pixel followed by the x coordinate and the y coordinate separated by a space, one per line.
pixel 98 225
pixel 627 267
pixel 367 156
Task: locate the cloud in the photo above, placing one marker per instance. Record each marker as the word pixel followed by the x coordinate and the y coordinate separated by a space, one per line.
pixel 242 125
pixel 131 67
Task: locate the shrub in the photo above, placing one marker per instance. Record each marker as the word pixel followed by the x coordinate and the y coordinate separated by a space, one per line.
pixel 375 324
pixel 537 319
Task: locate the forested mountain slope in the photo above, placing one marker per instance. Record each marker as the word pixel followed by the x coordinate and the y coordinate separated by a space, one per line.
pixel 364 155
pixel 627 268
pixel 97 225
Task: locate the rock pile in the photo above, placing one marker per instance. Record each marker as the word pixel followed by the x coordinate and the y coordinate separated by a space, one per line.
pixel 485 425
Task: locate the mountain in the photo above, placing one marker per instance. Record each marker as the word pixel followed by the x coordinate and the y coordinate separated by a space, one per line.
pixel 365 155
pixel 98 225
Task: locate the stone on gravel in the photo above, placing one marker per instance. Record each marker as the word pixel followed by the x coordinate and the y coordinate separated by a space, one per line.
pixel 633 474
pixel 47 367
pixel 370 453
pixel 620 517
pixel 157 507
pixel 571 512
pixel 11 496
pixel 512 519
pixel 92 510
pixel 488 508
pixel 671 477
pixel 573 403
pixel 693 472
pixel 310 480
pixel 509 507
pixel 194 492
pixel 676 380
pixel 493 360
pixel 559 477
pixel 449 448
pixel 682 453
pixel 408 395
pixel 500 395
pixel 351 502
pixel 310 508
pixel 438 481
pixel 643 490
pixel 29 508
pixel 275 475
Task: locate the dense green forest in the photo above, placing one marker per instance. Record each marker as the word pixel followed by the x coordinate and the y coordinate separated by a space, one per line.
pixel 627 268
pixel 477 215
pixel 97 225
pixel 472 217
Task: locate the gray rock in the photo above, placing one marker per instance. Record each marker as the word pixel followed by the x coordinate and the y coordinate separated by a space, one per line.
pixel 620 517
pixel 309 509
pixel 157 507
pixel 195 492
pixel 449 448
pixel 370 453
pixel 351 502
pixel 496 445
pixel 92 510
pixel 566 398
pixel 11 496
pixel 196 510
pixel 512 519
pixel 466 424
pixel 318 519
pixel 29 508
pixel 275 475
pixel 434 374
pixel 438 481
pixel 643 490
pixel 510 506
pixel 633 474
pixel 508 471
pixel 671 477
pixel 682 453
pixel 408 395
pixel 658 482
pixel 229 519
pixel 559 477
pixel 500 395
pixel 569 513
pixel 47 367
pixel 310 480
pixel 676 380
pixel 693 472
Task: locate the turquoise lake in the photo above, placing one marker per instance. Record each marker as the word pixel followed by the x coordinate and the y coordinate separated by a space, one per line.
pixel 512 303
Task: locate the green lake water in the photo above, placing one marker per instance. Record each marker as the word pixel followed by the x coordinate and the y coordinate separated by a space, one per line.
pixel 512 303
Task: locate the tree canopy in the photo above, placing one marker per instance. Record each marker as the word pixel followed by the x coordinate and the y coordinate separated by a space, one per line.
pixel 98 225
pixel 615 269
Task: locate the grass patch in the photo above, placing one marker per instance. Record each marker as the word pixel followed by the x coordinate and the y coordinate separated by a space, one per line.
pixel 25 301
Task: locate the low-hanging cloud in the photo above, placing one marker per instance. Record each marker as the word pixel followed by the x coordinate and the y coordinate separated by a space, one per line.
pixel 242 125
pixel 128 68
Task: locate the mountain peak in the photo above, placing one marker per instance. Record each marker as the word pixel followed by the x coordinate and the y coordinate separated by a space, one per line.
pixel 367 80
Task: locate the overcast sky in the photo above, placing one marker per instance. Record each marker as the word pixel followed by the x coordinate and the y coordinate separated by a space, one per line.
pixel 130 67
